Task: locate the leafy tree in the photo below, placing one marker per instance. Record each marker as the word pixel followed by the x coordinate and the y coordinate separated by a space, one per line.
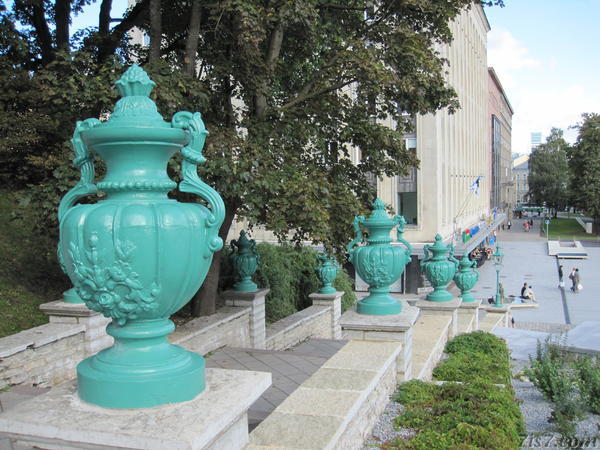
pixel 584 164
pixel 549 172
pixel 286 88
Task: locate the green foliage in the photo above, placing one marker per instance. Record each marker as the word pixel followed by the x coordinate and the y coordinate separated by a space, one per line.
pixel 289 272
pixel 29 275
pixel 549 173
pixel 471 415
pixel 475 356
pixel 558 382
pixel 588 371
pixel 584 165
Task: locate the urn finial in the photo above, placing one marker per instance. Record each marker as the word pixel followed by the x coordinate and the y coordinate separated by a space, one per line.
pixel 135 82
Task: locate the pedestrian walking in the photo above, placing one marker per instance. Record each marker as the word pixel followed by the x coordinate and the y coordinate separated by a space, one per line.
pixel 576 281
pixel 572 278
pixel 561 283
pixel 509 224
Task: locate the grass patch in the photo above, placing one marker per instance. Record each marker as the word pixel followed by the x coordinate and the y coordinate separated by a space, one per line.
pixel 29 272
pixel 561 228
pixel 473 414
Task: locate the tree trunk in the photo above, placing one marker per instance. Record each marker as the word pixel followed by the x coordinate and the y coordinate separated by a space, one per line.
pixel 62 16
pixel 191 43
pixel 43 35
pixel 155 30
pixel 104 17
pixel 204 303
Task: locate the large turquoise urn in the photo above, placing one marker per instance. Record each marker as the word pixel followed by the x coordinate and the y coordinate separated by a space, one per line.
pixel 377 261
pixel 245 262
pixel 137 256
pixel 439 267
pixel 466 277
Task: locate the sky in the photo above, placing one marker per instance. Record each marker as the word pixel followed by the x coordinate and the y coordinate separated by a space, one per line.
pixel 545 52
pixel 547 56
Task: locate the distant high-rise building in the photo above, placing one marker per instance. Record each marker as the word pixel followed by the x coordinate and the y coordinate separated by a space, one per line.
pixel 536 139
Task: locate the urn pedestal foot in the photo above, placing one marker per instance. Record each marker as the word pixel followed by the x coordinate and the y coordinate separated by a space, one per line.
pixel 440 295
pixel 71 296
pixel 379 303
pixel 142 369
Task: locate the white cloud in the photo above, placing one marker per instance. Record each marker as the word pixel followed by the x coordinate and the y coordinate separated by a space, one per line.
pixel 507 55
pixel 540 110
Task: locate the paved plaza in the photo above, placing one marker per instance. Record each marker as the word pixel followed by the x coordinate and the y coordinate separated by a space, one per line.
pixel 526 260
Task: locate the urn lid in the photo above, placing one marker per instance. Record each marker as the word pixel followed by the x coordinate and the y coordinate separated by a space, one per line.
pixel 438 246
pixel 465 263
pixel 379 217
pixel 135 108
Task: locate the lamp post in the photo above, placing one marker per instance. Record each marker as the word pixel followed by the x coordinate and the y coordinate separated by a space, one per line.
pixel 498 256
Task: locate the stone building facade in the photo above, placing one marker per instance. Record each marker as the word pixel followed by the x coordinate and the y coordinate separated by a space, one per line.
pixel 500 127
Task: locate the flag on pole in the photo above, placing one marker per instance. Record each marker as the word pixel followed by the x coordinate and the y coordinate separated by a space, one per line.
pixel 475 186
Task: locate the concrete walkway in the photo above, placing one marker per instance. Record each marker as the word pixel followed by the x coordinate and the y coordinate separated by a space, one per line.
pixel 289 369
pixel 526 260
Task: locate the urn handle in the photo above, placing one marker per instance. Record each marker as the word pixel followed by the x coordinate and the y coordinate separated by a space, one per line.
pixel 358 236
pixel 451 257
pixel 84 161
pixel 191 183
pixel 401 221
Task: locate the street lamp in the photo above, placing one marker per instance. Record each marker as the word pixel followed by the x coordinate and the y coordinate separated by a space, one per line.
pixel 498 263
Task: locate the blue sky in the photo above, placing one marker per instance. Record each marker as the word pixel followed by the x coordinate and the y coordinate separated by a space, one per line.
pixel 547 55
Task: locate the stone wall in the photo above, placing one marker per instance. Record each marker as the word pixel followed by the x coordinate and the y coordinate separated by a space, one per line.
pixel 45 356
pixel 229 326
pixel 314 321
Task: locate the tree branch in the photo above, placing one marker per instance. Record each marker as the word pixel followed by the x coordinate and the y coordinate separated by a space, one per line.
pixel 327 90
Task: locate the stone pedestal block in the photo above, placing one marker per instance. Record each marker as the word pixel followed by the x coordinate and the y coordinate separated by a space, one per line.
pixel 335 302
pixel 396 327
pixel 444 309
pixel 470 312
pixel 503 311
pixel 215 419
pixel 95 323
pixel 256 302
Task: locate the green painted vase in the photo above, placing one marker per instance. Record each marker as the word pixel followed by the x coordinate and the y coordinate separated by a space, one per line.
pixel 138 256
pixel 466 277
pixel 377 261
pixel 245 262
pixel 327 269
pixel 439 269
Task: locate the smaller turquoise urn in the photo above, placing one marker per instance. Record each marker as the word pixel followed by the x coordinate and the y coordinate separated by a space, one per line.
pixel 245 262
pixel 439 267
pixel 466 277
pixel 327 269
pixel 377 261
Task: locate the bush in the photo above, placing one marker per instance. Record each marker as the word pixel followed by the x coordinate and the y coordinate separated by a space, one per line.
pixel 471 415
pixel 289 273
pixel 475 356
pixel 559 383
pixel 588 371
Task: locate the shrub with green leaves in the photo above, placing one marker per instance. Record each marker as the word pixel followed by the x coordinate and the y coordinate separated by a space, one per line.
pixel 452 415
pixel 475 356
pixel 289 273
pixel 558 381
pixel 588 371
